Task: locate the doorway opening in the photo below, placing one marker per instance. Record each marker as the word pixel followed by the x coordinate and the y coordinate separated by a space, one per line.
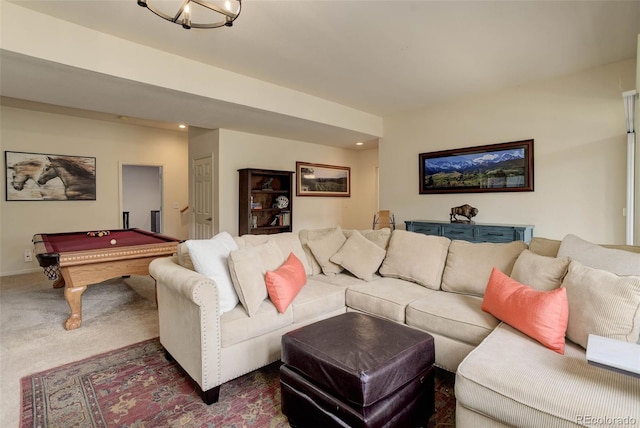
pixel 142 197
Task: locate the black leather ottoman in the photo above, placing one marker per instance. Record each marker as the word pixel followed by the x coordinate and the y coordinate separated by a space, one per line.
pixel 354 370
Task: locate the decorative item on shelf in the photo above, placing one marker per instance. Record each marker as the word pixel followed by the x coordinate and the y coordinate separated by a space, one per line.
pixel 465 210
pixel 383 219
pixel 268 184
pixel 254 222
pixel 255 205
pixel 281 202
pixel 215 13
pixel 285 218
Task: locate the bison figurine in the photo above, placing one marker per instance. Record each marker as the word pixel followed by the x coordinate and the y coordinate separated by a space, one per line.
pixel 465 210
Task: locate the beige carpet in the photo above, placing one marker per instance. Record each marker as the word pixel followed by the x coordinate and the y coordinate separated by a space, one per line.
pixel 116 313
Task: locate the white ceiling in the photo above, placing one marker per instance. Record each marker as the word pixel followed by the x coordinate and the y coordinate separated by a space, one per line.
pixel 384 57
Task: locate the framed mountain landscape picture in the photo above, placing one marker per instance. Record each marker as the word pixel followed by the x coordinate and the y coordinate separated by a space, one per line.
pixel 504 167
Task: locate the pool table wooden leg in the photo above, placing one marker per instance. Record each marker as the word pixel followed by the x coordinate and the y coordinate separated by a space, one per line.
pixel 73 296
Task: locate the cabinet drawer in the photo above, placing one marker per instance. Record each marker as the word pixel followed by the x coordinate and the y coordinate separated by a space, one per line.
pixel 496 234
pixel 427 229
pixel 458 232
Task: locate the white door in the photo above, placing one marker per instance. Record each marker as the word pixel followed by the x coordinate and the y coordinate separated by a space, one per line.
pixel 203 198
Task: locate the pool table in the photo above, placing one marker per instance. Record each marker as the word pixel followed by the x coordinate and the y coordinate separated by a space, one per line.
pixel 82 259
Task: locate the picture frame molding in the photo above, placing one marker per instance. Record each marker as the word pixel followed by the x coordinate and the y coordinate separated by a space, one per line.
pixel 10 190
pixel 528 165
pixel 300 176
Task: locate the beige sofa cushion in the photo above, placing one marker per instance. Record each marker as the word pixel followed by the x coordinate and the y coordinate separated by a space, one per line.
pixel 380 237
pixel 544 246
pixel 288 243
pixel 360 256
pixel 326 246
pixel 248 266
pixel 317 298
pixel 602 303
pixel 469 264
pixel 596 256
pixel 416 257
pixel 453 315
pixel 385 297
pixel 237 326
pixel 540 272
pixel 304 236
pixel 184 259
pixel 497 379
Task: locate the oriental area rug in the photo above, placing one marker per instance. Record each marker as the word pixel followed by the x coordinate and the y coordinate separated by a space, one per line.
pixel 137 386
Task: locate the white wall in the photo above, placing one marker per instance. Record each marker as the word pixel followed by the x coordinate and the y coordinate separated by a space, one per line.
pixel 578 125
pixel 242 150
pixel 141 194
pixel 111 144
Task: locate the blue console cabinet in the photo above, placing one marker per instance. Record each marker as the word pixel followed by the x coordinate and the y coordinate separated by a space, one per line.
pixel 473 232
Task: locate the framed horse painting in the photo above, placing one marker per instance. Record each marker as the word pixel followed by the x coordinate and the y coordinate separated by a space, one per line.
pixel 49 177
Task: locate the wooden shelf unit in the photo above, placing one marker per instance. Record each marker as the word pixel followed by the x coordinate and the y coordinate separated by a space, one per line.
pixel 252 191
pixel 473 232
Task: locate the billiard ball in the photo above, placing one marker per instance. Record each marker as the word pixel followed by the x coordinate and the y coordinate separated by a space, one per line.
pixel 113 242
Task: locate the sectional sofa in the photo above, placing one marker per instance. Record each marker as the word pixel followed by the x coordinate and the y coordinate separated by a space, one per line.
pixel 224 304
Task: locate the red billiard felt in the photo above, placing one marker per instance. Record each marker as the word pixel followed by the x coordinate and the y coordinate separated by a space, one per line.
pixel 79 241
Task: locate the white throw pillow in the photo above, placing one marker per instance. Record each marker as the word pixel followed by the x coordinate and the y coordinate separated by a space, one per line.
pixel 360 256
pixel 209 257
pixel 596 256
pixel 601 303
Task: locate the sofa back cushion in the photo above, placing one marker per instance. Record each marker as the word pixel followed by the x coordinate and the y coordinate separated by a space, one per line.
pixel 416 257
pixel 544 246
pixel 596 256
pixel 288 242
pixel 540 272
pixel 602 303
pixel 469 264
pixel 184 259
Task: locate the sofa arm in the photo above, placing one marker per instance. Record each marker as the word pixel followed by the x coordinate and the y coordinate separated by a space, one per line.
pixel 190 284
pixel 189 319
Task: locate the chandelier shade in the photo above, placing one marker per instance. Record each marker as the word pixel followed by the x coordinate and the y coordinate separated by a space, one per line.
pixel 195 13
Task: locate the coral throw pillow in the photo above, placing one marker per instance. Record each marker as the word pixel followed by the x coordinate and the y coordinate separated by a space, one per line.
pixel 541 315
pixel 284 283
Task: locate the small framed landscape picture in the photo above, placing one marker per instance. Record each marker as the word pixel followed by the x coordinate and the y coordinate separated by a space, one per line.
pixel 315 179
pixel 48 177
pixel 504 167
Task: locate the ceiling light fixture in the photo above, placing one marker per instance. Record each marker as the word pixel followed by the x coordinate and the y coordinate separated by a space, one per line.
pixel 182 126
pixel 197 13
